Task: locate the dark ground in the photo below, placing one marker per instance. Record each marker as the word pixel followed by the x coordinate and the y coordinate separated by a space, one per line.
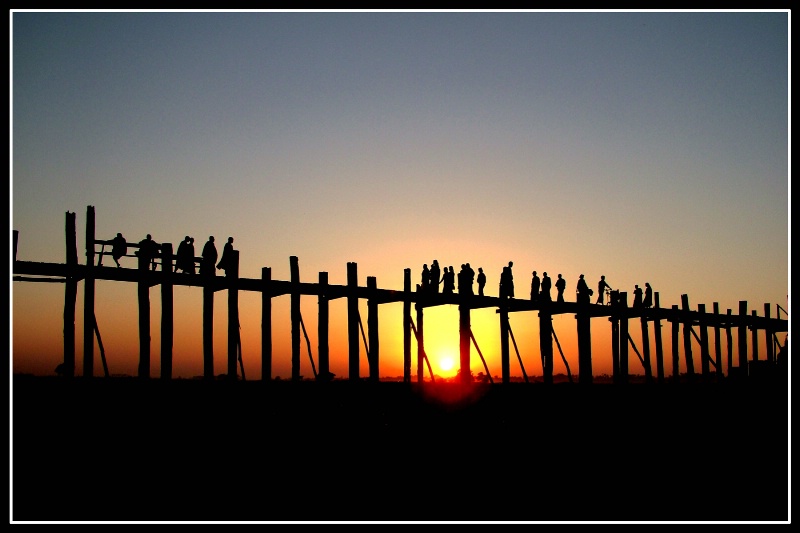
pixel 121 449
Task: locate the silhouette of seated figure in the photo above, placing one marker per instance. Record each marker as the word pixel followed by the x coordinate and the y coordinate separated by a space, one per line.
pixel 119 248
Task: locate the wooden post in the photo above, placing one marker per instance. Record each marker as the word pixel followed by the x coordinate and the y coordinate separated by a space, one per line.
pixel 729 339
pixel 754 335
pixel 659 346
pixel 88 297
pixel 546 342
pixel 372 329
pixel 464 329
pixel 70 295
pixel 743 339
pixel 420 344
pixel 16 240
pixel 143 289
pixel 505 364
pixel 167 322
pixel 614 319
pixel 208 324
pixel 687 336
pixel 676 354
pixel 705 353
pixel 352 320
pixel 717 343
pixel 232 277
pixel 648 372
pixel 294 270
pixel 322 327
pixel 584 327
pixel 623 338
pixel 266 324
pixel 768 333
pixel 407 325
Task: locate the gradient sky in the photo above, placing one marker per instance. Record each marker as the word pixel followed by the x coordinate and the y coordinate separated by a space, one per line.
pixel 644 146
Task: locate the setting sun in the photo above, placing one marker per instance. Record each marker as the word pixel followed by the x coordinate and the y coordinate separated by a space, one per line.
pixel 446 363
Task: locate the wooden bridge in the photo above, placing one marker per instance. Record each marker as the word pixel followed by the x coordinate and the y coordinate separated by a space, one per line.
pixel 686 323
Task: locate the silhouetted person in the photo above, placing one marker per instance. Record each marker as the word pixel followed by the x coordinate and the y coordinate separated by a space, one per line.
pixel 209 258
pixel 425 280
pixel 481 281
pixel 561 284
pixel 507 281
pixel 637 297
pixel 448 280
pixel 183 256
pixel 601 289
pixel 435 277
pixel 148 250
pixel 452 279
pixel 119 248
pixel 226 261
pixel 648 296
pixel 546 283
pixel 190 256
pixel 535 284
pixel 583 290
pixel 465 280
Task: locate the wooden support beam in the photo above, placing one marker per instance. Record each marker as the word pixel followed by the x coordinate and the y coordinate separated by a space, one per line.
pixel 266 324
pixel 584 330
pixel 208 325
pixel 352 321
pixel 294 273
pixel 754 336
pixel 648 372
pixel 742 339
pixel 705 353
pixel 687 337
pixel 546 342
pixel 623 337
pixel 372 329
pixel 323 346
pixel 768 336
pixel 729 340
pixel 659 345
pixel 70 296
pixel 143 290
pixel 232 276
pixel 420 344
pixel 676 354
pixel 88 297
pixel 167 321
pixel 615 319
pixel 505 364
pixel 717 342
pixel 464 333
pixel 407 325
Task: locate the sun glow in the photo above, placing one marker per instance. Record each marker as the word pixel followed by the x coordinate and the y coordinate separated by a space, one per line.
pixel 446 363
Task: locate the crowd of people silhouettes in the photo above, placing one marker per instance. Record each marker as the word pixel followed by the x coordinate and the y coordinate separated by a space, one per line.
pixel 431 278
pixel 185 260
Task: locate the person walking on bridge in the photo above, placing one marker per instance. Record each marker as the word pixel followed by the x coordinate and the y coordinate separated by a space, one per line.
pixel 209 258
pixel 561 284
pixel 601 289
pixel 546 284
